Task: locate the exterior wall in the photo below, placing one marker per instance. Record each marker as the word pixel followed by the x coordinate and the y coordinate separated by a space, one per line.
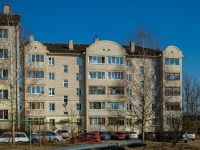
pixel 62 112
pixel 12 64
pixel 172 52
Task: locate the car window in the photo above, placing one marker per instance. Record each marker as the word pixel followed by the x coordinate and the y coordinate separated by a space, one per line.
pixel 90 135
pixel 19 135
pixel 84 135
pixel 6 135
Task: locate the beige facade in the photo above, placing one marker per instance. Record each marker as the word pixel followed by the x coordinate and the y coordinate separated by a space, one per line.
pixel 9 66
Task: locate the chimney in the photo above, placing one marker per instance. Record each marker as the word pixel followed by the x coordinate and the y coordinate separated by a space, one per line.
pixel 6 9
pixel 71 45
pixel 31 38
pixel 132 46
pixel 96 39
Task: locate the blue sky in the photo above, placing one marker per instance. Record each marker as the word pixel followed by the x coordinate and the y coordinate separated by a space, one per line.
pixel 175 22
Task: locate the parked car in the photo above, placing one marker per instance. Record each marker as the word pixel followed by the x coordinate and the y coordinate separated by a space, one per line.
pixel 47 136
pixel 63 133
pixel 131 135
pixel 20 137
pixel 171 135
pixel 103 135
pixel 149 136
pixel 118 136
pixel 190 135
pixel 92 137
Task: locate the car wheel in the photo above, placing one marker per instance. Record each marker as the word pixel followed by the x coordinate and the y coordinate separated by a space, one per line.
pixel 185 141
pixel 56 140
pixel 34 140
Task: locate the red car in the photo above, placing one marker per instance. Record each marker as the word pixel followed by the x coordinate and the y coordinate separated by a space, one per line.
pixel 119 136
pixel 92 137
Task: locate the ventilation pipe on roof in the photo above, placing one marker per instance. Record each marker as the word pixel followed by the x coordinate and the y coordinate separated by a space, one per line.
pixel 132 46
pixel 6 9
pixel 96 39
pixel 70 45
pixel 31 38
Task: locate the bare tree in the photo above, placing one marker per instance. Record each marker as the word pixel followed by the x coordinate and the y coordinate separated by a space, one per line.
pixel 191 101
pixel 141 79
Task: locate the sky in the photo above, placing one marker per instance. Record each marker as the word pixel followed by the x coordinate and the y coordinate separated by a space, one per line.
pixel 174 22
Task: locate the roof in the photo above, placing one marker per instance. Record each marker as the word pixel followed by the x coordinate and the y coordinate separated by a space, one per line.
pixel 64 48
pixel 80 48
pixel 10 19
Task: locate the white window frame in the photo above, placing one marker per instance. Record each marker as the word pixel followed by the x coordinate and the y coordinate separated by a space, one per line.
pixel 3 94
pixel 102 105
pixel 51 91
pixel 129 77
pixel 52 106
pixel 79 76
pixel 3 53
pixel 130 92
pixel 65 69
pixel 78 91
pixel 35 89
pixel 65 99
pixel 129 107
pixel 115 60
pixel 129 63
pixel 79 106
pixel 35 105
pixel 95 75
pixel 96 60
pixel 115 105
pixel 115 75
pixel 52 122
pixel 3 73
pixel 141 69
pixel 38 74
pixel 172 61
pixel 51 76
pixel 5 115
pixel 35 58
pixel 4 33
pixel 65 83
pixel 51 61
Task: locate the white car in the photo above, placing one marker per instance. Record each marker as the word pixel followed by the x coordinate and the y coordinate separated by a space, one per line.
pixel 190 135
pixel 20 137
pixel 131 136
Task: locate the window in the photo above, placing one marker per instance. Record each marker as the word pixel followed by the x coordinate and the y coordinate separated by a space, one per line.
pixel 65 69
pixel 35 58
pixel 52 106
pixel 116 121
pixel 128 107
pixel 129 63
pixel 129 77
pixel 115 105
pixel 3 53
pixel 96 90
pixel 3 73
pixel 79 106
pixel 78 92
pixel 79 76
pixel 141 70
pixel 3 114
pixel 78 61
pixel 35 89
pixel 35 74
pixel 172 76
pixel 96 59
pixel 154 78
pixel 3 94
pixel 97 121
pixel 115 90
pixel 65 99
pixel 115 60
pixel 96 75
pixel 51 92
pixel 172 61
pixel 172 106
pixel 172 121
pixel 4 33
pixel 37 121
pixel 52 122
pixel 141 84
pixel 97 105
pixel 172 91
pixel 65 83
pixel 154 92
pixel 154 63
pixel 51 61
pixel 129 92
pixel 154 122
pixel 51 76
pixel 115 75
pixel 35 105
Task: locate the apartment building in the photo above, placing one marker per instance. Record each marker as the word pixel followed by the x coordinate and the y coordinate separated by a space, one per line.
pixel 9 66
pixel 103 85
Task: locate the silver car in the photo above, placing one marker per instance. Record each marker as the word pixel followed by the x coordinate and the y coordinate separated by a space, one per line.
pixel 190 135
pixel 20 137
